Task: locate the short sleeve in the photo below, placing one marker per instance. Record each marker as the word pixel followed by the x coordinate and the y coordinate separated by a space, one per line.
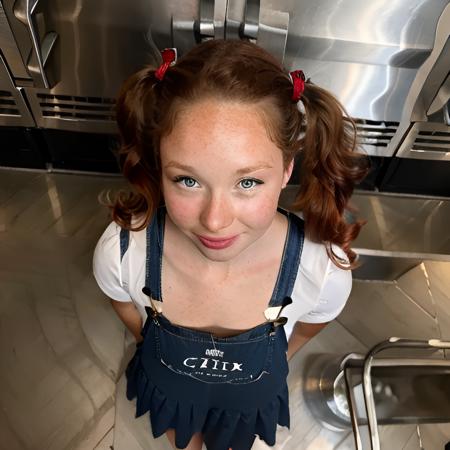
pixel 333 295
pixel 106 264
pixel 320 290
pixel 333 298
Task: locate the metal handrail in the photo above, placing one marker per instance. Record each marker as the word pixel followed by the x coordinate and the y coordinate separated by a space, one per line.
pixel 368 363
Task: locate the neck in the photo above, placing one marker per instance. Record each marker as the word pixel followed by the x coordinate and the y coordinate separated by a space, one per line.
pixel 257 253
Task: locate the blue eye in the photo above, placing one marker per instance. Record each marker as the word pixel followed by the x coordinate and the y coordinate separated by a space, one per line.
pixel 249 183
pixel 186 181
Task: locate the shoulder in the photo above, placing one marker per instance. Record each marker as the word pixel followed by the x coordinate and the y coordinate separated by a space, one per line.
pixel 321 288
pixel 108 245
pixel 110 232
pixel 107 264
pixel 315 262
pixel 317 271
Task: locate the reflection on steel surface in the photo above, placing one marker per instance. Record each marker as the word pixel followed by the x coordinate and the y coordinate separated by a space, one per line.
pixel 367 54
pixel 398 224
pixel 425 106
pixel 400 233
pixel 99 44
pixel 13 109
pixel 374 136
pixel 440 387
pixel 9 48
pixel 25 11
pixel 359 389
pixel 427 140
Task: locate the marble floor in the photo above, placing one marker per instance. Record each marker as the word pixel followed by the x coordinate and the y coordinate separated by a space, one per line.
pixel 64 350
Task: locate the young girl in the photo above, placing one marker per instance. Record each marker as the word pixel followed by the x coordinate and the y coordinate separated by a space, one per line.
pixel 200 262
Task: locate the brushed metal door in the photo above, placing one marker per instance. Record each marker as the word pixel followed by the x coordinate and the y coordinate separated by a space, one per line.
pixel 87 48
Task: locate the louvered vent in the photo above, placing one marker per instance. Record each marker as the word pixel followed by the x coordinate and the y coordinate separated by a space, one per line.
pixel 75 107
pixel 436 141
pixel 375 134
pixel 8 104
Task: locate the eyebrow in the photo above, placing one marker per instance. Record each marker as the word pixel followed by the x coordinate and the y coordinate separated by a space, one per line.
pixel 242 171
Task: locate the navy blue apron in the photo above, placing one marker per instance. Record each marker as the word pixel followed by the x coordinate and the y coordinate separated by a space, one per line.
pixel 230 389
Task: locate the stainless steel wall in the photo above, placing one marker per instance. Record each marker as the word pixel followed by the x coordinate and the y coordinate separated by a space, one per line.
pixel 387 61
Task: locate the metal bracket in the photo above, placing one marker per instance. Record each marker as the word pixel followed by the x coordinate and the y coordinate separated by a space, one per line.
pixel 210 25
pixel 183 34
pixel 212 19
pixel 273 31
pixel 266 27
pixel 250 25
pixel 234 19
pixel 25 11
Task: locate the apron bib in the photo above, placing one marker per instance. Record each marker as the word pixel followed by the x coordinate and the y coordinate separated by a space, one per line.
pixel 229 388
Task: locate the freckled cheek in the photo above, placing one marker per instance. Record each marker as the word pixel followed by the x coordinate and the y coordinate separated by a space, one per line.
pixel 183 211
pixel 260 214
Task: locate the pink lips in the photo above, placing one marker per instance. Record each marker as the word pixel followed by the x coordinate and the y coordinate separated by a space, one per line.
pixel 217 244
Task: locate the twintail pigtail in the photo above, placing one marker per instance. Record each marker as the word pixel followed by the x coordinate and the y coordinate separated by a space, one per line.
pixel 330 168
pixel 135 111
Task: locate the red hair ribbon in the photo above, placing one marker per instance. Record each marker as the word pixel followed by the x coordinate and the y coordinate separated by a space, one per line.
pixel 298 80
pixel 169 57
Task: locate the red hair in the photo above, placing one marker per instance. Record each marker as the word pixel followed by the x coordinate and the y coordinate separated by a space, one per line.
pixel 320 133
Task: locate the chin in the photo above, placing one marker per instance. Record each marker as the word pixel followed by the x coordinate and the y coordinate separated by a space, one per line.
pixel 219 255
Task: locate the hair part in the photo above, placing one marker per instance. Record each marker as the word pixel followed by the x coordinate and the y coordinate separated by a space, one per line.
pixel 322 135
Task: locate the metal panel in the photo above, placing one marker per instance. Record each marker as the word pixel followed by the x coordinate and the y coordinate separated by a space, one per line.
pixel 164 13
pixel 73 112
pixel 401 232
pixel 98 45
pixel 9 48
pixel 426 140
pixel 367 54
pixel 13 110
pixel 273 32
pixel 441 100
pixel 425 89
pixel 374 136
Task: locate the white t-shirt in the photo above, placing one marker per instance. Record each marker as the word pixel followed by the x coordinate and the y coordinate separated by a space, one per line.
pixel 320 291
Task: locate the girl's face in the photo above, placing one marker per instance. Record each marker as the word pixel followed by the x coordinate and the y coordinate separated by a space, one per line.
pixel 221 177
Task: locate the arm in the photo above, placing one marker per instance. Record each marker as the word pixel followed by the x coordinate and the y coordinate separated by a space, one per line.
pixel 130 316
pixel 301 334
pixel 107 271
pixel 320 293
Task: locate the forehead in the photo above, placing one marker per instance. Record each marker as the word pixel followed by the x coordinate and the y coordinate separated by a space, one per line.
pixel 225 130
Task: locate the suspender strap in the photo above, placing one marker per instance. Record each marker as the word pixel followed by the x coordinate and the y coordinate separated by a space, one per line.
pixel 124 242
pixel 155 240
pixel 291 260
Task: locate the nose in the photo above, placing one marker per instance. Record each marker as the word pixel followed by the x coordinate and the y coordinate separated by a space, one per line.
pixel 217 213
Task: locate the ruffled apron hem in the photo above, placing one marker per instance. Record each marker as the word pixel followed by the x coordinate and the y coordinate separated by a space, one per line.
pixel 221 428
